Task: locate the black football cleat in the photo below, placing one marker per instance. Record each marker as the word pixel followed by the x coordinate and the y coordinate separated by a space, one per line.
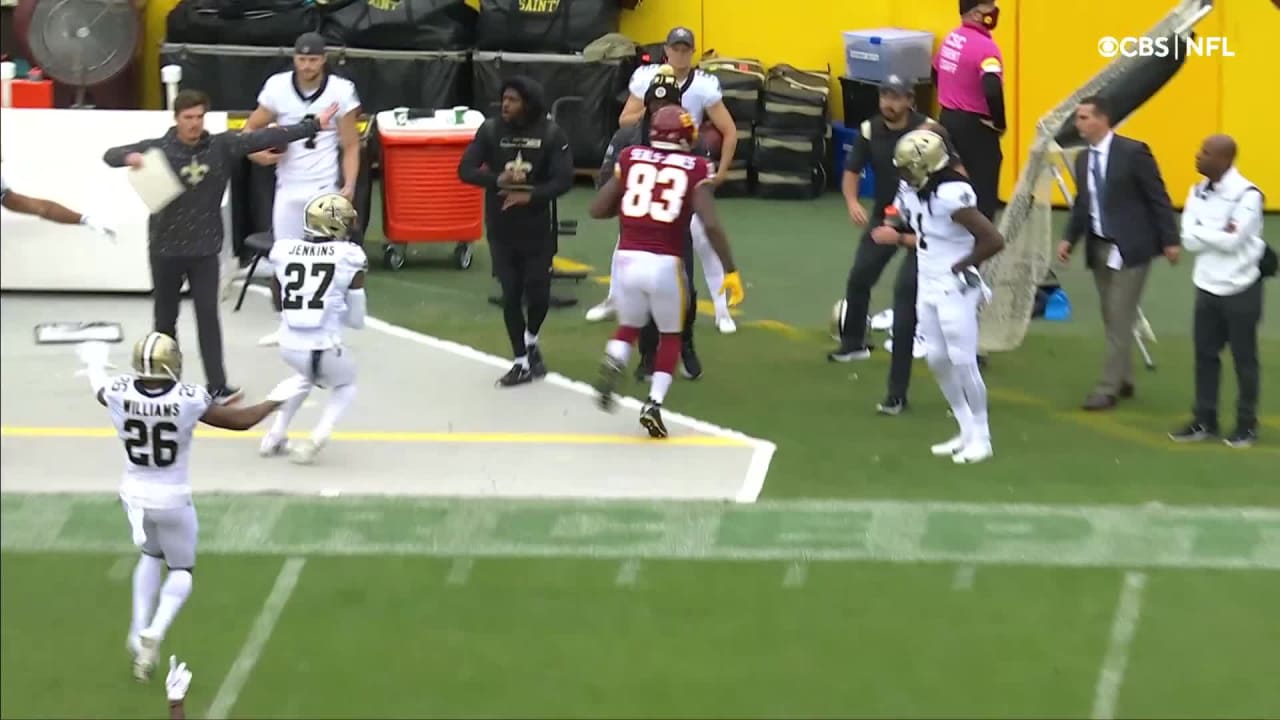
pixel 607 384
pixel 690 365
pixel 537 365
pixel 517 375
pixel 644 371
pixel 651 419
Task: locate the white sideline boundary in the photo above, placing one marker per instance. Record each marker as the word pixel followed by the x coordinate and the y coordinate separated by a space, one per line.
pixel 761 453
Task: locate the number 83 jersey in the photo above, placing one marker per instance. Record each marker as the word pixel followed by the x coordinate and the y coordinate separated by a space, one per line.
pixel 657 198
pixel 314 277
pixel 156 426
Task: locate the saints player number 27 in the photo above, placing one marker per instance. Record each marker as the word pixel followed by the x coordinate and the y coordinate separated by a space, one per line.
pixel 151 445
pixel 297 276
pixel 643 182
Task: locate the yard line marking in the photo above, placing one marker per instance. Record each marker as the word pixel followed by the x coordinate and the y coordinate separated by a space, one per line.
pixel 469 438
pixel 963 579
pixel 1123 628
pixel 119 569
pixel 263 626
pixel 796 575
pixel 628 571
pixel 460 571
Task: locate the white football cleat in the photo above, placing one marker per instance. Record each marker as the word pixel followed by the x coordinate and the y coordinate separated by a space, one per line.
pixel 273 446
pixel 974 452
pixel 600 312
pixel 270 339
pixel 304 453
pixel 726 325
pixel 145 661
pixel 133 646
pixel 948 448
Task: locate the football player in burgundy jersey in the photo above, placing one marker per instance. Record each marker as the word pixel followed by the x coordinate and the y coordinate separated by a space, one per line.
pixel 655 190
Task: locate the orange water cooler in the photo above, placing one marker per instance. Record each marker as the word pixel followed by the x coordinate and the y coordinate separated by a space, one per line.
pixel 422 198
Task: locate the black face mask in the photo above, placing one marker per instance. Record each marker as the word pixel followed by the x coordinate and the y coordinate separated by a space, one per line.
pixel 991 19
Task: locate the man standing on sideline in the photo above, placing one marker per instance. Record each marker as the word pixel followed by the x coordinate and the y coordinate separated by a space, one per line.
pixel 304 169
pixel 523 162
pixel 702 97
pixel 874 148
pixel 187 235
pixel 1123 211
pixel 970 79
pixel 48 210
pixel 1222 226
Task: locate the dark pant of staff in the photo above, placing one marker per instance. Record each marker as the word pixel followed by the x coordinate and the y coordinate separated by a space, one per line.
pixel 1227 320
pixel 868 265
pixel 649 333
pixel 167 274
pixel 523 268
pixel 979 149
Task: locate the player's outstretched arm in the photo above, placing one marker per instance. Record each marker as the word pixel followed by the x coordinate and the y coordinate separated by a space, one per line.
pixel 605 204
pixel 987 239
pixel 704 204
pixel 46 209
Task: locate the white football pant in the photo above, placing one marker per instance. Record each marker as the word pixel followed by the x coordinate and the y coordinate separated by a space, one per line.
pixel 648 284
pixel 947 320
pixel 712 268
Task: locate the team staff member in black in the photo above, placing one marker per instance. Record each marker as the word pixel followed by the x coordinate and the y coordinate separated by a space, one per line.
pixel 523 162
pixel 187 235
pixel 663 90
pixel 874 147
pixel 969 70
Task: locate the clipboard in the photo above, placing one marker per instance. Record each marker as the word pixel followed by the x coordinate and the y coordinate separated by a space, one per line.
pixel 155 182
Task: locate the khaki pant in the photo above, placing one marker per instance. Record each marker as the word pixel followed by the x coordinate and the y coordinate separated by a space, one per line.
pixel 1119 293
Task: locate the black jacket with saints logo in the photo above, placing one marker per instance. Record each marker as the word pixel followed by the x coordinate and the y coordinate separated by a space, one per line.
pixel 191 225
pixel 534 146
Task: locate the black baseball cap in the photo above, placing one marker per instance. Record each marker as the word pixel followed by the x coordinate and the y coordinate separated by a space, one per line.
pixel 895 84
pixel 311 43
pixel 681 36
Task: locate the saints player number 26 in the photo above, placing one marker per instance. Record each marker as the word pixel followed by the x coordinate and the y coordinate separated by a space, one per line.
pixel 297 276
pixel 643 182
pixel 151 445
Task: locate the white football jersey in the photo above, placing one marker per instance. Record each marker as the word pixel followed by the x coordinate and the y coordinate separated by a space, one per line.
pixel 701 91
pixel 320 162
pixel 314 277
pixel 940 241
pixel 156 428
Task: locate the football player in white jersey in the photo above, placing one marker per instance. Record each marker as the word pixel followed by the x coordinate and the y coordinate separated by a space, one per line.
pixel 702 97
pixel 307 168
pixel 318 288
pixel 155 415
pixel 937 213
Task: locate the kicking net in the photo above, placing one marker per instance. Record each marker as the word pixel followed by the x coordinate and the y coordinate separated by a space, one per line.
pixel 1026 223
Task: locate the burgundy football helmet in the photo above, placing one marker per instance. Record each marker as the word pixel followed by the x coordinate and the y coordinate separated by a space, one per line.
pixel 672 128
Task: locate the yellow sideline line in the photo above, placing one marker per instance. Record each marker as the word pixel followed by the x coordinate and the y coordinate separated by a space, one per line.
pixel 473 438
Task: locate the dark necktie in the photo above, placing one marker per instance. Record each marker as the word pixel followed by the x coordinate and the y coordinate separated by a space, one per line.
pixel 1099 190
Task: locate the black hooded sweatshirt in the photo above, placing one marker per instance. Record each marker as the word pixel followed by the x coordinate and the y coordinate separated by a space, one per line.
pixel 533 144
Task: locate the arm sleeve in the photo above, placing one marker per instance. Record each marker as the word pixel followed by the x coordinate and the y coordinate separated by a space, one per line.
pixel 1247 218
pixel 1151 185
pixel 639 82
pixel 115 156
pixel 560 177
pixel 608 163
pixel 239 144
pixel 861 150
pixel 993 88
pixel 478 153
pixel 266 96
pixel 715 93
pixel 349 102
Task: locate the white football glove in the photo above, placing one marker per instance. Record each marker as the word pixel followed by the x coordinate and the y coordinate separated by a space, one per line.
pixel 98 227
pixel 178 681
pixel 290 388
pixel 93 354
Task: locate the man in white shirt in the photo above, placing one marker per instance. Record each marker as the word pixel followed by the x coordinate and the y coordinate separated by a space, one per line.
pixel 701 96
pixel 307 168
pixel 1222 226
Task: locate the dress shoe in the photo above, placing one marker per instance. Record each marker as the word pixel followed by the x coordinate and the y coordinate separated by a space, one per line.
pixel 1098 401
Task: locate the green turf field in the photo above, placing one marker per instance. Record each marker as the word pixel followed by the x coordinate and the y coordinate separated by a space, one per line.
pixel 1091 569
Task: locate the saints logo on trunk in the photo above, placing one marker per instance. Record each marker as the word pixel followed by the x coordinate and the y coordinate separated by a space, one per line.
pixel 194 171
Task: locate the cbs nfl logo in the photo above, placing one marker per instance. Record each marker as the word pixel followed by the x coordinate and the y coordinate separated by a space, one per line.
pixel 1165 47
